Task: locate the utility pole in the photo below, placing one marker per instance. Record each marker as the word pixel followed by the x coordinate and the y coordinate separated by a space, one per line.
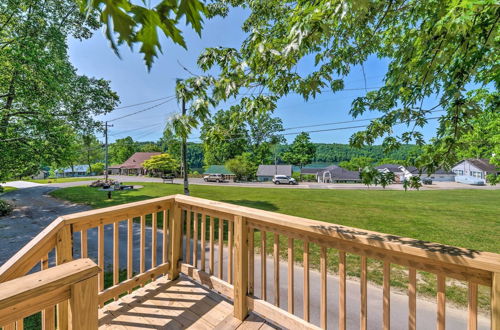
pixel 184 154
pixel 106 125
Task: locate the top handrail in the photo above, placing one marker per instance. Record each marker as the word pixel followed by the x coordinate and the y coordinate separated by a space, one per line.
pixel 486 261
pixel 402 247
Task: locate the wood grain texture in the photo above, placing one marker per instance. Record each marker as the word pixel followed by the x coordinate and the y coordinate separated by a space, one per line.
pixel 116 254
pixel 386 303
pixel 142 244
pixel 31 293
pixel 323 296
pixel 100 255
pixel 165 237
pixel 251 261
pixel 305 260
pixel 83 305
pixel 195 240
pixel 364 295
pixel 154 238
pixel 291 262
pixel 342 290
pixel 188 237
pixel 412 298
pixel 276 254
pixel 240 268
pixel 130 248
pixel 408 247
pixel 472 307
pixel 221 249
pixel 263 267
pixel 175 242
pixel 84 244
pixel 495 302
pixel 48 314
pixel 230 252
pixel 441 302
pixel 202 241
pixel 64 254
pixel 211 243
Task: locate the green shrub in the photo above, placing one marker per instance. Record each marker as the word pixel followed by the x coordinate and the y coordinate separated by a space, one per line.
pixel 1 189
pixel 5 207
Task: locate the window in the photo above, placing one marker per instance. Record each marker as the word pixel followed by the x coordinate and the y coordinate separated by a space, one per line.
pixel 478 175
pixel 459 172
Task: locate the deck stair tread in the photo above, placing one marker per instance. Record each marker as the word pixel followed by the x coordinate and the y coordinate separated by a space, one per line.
pixel 179 304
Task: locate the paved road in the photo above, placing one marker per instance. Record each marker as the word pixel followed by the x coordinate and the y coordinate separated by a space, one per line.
pixel 35 210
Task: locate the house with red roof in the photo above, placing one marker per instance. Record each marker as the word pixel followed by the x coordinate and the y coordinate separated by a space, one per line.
pixel 133 165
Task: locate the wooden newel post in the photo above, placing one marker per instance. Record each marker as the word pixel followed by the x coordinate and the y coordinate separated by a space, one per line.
pixel 84 304
pixel 240 267
pixel 64 254
pixel 175 241
pixel 495 302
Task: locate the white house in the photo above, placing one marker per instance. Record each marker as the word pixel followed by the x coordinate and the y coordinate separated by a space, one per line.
pixel 476 168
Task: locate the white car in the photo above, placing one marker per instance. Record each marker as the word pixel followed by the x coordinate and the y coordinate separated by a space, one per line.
pixel 283 179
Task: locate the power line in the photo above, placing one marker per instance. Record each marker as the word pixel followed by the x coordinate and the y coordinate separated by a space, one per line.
pixel 135 129
pixel 145 102
pixel 142 110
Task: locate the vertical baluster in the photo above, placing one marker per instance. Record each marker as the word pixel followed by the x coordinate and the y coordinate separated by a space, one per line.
pixel 412 298
pixel 441 302
pixel 83 243
pixel 290 275
pixel 142 242
pixel 495 301
pixel 251 260
pixel 188 237
pixel 305 258
pixel 364 292
pixel 48 314
pixel 20 324
pixel 221 248
pixel 342 289
pixel 387 296
pixel 276 252
pixel 154 238
pixel 203 233
pixel 211 242
pixel 195 240
pixel 116 254
pixel 323 303
pixel 263 269
pixel 164 237
pixel 100 255
pixel 230 252
pixel 472 306
pixel 130 248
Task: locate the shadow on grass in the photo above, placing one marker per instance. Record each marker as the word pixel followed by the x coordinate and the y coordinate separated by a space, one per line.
pixel 262 205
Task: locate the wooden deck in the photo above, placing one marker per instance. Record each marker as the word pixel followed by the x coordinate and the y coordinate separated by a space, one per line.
pixel 179 304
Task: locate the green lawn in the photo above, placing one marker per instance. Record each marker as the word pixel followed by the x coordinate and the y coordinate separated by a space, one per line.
pixel 454 217
pixel 465 218
pixel 61 180
pixel 7 189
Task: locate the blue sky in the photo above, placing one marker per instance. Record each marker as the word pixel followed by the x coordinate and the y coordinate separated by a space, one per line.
pixel 134 84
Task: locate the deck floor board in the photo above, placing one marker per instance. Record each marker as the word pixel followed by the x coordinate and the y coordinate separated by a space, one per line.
pixel 179 304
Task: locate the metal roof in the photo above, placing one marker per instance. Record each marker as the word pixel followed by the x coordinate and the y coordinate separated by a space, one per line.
pixel 271 170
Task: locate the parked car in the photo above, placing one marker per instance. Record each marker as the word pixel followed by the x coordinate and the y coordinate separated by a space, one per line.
pixel 427 181
pixel 214 178
pixel 283 179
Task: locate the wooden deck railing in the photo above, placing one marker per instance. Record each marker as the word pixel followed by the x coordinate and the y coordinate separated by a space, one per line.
pixel 217 244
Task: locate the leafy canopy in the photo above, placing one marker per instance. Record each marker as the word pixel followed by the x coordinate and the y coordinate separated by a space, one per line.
pixel 301 151
pixel 164 163
pixel 127 22
pixel 444 53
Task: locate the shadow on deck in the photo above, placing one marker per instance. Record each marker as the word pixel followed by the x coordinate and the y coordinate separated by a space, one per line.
pixel 179 304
